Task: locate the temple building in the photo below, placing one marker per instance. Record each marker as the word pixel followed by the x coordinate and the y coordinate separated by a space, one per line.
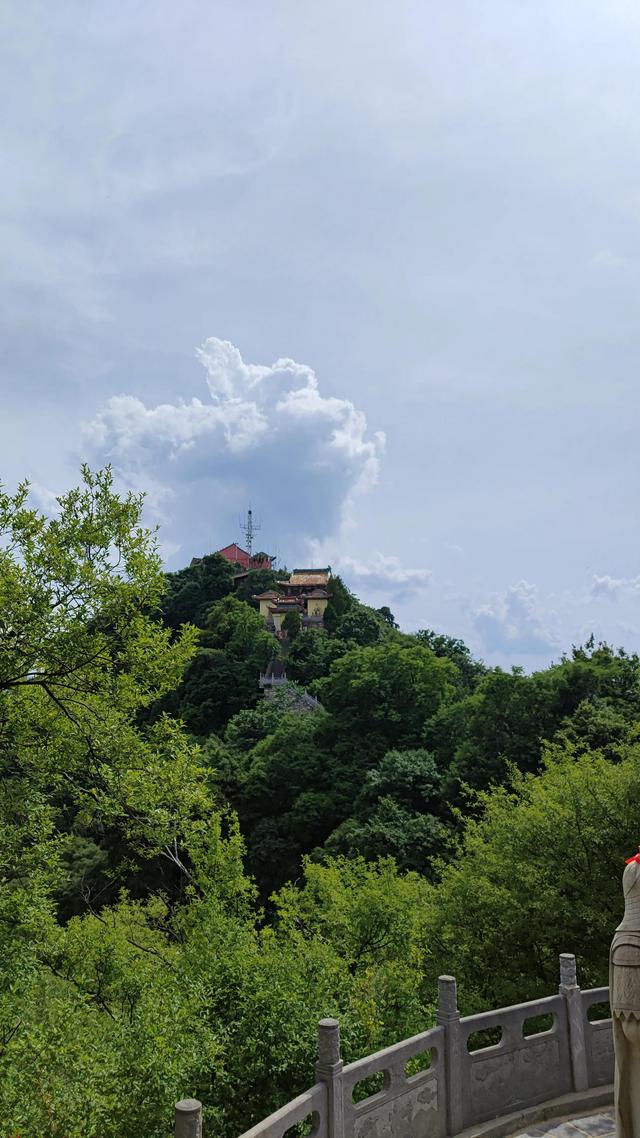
pixel 306 592
pixel 245 561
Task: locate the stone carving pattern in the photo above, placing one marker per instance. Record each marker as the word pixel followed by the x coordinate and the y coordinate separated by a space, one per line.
pixel 411 1114
pixel 524 1074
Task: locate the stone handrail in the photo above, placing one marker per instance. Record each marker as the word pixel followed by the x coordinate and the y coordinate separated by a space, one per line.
pixel 567 1066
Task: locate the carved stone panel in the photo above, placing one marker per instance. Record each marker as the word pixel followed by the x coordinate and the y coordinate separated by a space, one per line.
pixel 412 1114
pixel 528 1075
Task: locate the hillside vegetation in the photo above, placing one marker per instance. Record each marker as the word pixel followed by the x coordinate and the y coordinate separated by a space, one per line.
pixel 192 875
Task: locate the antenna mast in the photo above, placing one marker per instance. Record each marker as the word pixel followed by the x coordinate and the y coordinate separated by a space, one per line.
pixel 249 528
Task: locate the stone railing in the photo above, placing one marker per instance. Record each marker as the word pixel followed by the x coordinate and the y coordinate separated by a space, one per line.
pixel 518 1079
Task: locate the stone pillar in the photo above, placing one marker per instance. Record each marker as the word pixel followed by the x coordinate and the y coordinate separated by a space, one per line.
pixel 448 1017
pixel 329 1070
pixel 188 1122
pixel 575 1021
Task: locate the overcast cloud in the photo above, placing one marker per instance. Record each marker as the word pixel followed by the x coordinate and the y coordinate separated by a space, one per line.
pixel 433 209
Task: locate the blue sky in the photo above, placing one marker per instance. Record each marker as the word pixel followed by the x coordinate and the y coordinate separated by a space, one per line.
pixel 372 266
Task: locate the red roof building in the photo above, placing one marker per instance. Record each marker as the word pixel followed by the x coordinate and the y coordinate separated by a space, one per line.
pixel 242 560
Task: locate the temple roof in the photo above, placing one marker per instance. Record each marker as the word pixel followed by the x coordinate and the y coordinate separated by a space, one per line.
pixel 270 595
pixel 309 577
pixel 239 556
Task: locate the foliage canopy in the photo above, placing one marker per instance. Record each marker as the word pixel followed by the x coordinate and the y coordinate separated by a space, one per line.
pixel 192 875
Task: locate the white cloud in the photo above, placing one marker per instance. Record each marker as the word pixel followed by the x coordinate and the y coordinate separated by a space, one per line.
pixel 382 573
pixel 614 587
pixel 513 621
pixel 267 432
pixel 44 499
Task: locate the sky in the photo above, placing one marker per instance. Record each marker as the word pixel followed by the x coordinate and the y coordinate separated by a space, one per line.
pixel 371 267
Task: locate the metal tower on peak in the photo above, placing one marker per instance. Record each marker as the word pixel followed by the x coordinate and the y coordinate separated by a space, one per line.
pixel 249 529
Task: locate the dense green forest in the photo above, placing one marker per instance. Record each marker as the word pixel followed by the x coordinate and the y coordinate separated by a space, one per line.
pixel 191 874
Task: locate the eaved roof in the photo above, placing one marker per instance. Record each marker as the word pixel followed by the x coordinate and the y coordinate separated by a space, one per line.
pixel 317 594
pixel 310 576
pixel 234 552
pixel 239 556
pixel 270 595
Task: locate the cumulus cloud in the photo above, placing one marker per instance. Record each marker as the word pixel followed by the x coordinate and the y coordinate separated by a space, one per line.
pixel 382 573
pixel 513 621
pixel 265 433
pixel 43 498
pixel 613 588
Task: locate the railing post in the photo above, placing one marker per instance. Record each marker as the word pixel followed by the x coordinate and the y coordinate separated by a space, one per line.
pixel 575 1021
pixel 188 1122
pixel 329 1070
pixel 448 1017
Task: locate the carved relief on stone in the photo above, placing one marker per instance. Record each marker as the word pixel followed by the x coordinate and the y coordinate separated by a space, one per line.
pixel 511 1075
pixel 402 1117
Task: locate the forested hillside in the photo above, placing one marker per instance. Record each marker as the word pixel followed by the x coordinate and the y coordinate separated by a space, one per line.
pixel 192 874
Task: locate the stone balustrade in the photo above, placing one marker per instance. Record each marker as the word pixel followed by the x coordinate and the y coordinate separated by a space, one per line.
pixel 518 1079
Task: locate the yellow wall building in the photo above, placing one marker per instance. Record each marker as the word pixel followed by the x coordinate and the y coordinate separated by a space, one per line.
pixel 316 602
pixel 305 592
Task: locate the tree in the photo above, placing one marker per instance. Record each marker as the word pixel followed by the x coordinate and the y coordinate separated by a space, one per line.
pixel 80 655
pixel 340 601
pixel 283 795
pixel 553 843
pixel 373 919
pixel 191 591
pixel 252 724
pixel 361 625
pixel 103 1037
pixel 292 624
pixel 387 616
pixel 509 716
pixel 235 628
pixel 381 697
pixel 223 676
pixel 412 839
pixel 411 777
pixel 503 723
pixel 258 581
pixel 310 656
pixel 215 687
pixel 396 813
pixel 597 672
pixel 470 671
pixel 75 590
